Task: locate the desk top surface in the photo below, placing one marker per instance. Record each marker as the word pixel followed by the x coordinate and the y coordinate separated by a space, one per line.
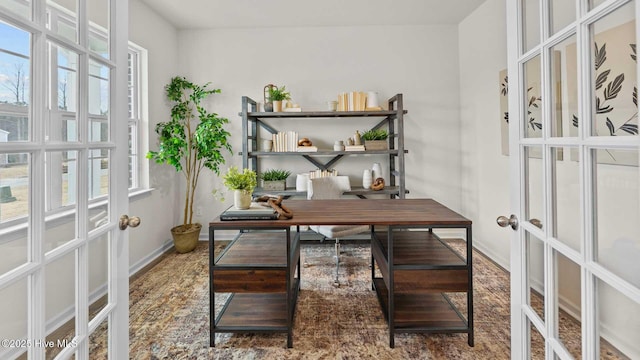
pixel 358 212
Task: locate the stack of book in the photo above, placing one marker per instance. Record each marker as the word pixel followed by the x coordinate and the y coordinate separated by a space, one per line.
pixel 354 148
pixel 352 101
pixel 285 141
pixel 255 212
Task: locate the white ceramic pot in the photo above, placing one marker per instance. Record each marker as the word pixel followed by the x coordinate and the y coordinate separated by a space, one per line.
pixel 242 199
pixel 377 171
pixel 372 99
pixel 301 182
pixel 366 179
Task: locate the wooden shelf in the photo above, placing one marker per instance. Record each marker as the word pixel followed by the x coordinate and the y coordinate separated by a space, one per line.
pixel 317 114
pixel 419 248
pixel 421 312
pixel 324 153
pixel 266 312
pixel 256 249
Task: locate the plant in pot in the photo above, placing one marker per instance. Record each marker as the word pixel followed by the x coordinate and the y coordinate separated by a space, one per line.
pixel 375 139
pixel 242 184
pixel 277 95
pixel 274 179
pixel 192 140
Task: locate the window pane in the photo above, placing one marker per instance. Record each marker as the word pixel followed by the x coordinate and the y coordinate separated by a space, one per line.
pixel 614 83
pixel 533 181
pixel 533 101
pixel 133 156
pixel 98 11
pixel 13 252
pixel 63 95
pixel 14 186
pixel 617 232
pixel 20 7
pixel 14 83
pixel 63 18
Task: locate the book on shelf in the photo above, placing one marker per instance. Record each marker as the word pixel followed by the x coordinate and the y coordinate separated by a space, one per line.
pixel 292 109
pixel 354 148
pixel 254 212
pixel 307 148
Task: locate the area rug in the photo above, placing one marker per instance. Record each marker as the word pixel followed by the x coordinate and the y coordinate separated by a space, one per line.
pixel 170 315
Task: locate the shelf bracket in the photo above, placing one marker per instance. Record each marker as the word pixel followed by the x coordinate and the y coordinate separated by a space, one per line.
pixel 322 166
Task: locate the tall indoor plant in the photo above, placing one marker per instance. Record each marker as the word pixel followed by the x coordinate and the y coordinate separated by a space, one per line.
pixel 192 140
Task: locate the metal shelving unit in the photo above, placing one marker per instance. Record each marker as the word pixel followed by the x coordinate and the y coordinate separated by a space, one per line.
pixel 392 120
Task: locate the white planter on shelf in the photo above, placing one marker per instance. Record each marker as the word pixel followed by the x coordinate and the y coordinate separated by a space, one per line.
pixel 242 199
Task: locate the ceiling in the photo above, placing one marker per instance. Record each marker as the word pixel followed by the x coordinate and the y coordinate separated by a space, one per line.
pixel 193 14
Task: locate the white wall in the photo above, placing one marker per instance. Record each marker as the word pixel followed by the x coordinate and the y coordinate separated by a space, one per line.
pixel 485 183
pixel 315 64
pixel 156 210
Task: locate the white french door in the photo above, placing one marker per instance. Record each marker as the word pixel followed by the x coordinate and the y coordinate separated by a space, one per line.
pixel 574 145
pixel 64 178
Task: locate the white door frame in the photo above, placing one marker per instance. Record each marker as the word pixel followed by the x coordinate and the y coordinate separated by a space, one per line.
pixel 591 271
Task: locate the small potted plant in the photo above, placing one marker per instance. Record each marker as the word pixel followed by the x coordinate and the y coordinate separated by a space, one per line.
pixel 274 179
pixel 242 184
pixel 277 95
pixel 375 139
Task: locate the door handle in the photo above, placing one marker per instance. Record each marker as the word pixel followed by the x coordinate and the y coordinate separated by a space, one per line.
pixel 125 221
pixel 512 221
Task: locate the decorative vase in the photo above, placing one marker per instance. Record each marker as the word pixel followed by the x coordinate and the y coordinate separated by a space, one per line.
pixel 301 182
pixel 277 106
pixel 186 239
pixel 377 171
pixel 242 199
pixel 372 99
pixel 268 107
pixel 366 179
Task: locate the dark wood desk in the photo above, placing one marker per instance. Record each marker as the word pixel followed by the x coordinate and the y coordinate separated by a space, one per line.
pixel 417 267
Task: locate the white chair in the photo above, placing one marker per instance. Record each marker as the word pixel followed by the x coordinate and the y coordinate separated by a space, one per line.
pixel 332 187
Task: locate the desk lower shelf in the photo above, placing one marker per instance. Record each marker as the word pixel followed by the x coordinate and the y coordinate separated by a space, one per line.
pixel 419 312
pixel 264 311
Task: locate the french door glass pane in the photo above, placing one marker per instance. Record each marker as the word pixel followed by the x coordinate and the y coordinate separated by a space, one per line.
pixel 60 305
pixel 98 129
pixel 98 173
pixel 569 312
pixel 61 187
pixel 15 77
pixel 20 7
pixel 537 344
pixel 530 24
pixel 563 13
pixel 99 341
pixel 535 274
pixel 98 273
pixel 617 232
pixel 614 79
pixel 98 11
pixel 533 183
pixel 533 101
pixel 13 250
pixel 14 186
pixel 63 18
pixel 618 324
pixel 564 100
pixel 63 95
pixel 13 317
pixel 566 199
pixel 595 3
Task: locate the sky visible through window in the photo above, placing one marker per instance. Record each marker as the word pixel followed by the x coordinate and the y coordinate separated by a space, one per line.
pixel 14 65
